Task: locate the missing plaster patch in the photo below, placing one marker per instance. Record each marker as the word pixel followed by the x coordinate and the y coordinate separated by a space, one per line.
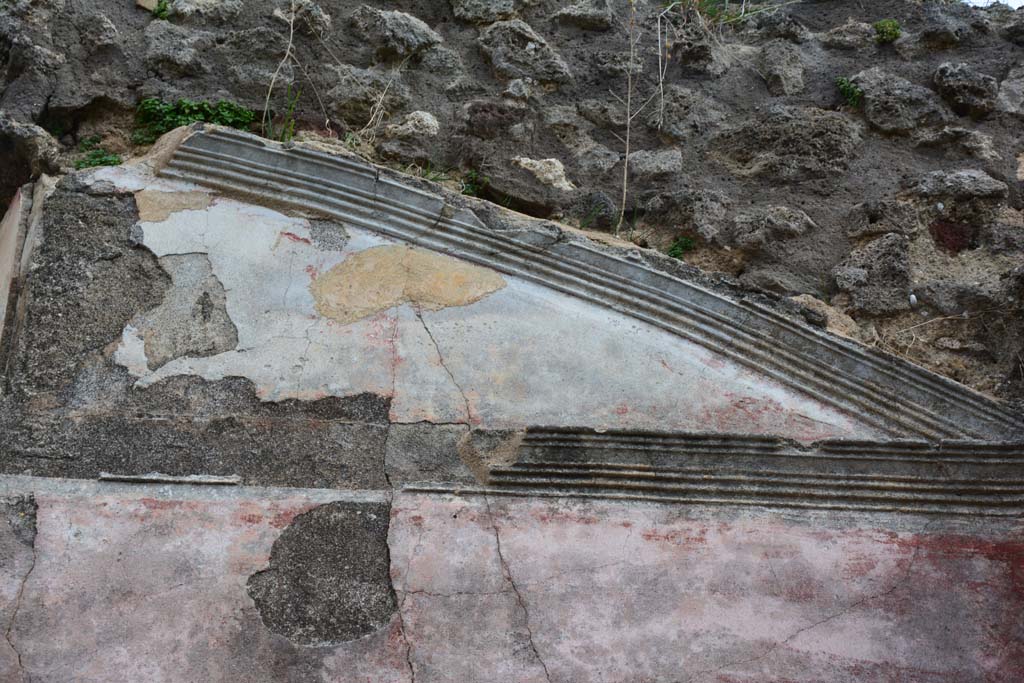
pixel 193 318
pixel 329 578
pixel 19 513
pixel 155 206
pixel 482 449
pixel 380 278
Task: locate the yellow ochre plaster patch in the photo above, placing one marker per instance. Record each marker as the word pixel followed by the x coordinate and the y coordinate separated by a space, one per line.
pixel 384 277
pixel 155 206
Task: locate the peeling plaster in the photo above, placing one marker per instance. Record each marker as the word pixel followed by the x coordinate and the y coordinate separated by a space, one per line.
pixel 446 340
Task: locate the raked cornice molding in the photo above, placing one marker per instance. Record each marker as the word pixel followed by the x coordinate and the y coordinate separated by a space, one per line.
pixel 882 391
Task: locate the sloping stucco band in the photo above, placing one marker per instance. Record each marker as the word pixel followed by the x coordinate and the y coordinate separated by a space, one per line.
pixel 891 395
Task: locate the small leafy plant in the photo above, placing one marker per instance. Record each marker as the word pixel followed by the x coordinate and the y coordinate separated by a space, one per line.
pixel 94 154
pixel 681 246
pixel 853 95
pixel 427 173
pixel 591 217
pixel 154 117
pixel 887 31
pixel 474 183
pixel 162 10
pixel 286 131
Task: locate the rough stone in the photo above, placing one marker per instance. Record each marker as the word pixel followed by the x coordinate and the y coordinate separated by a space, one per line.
pixel 834 320
pixel 877 276
pixel 356 92
pixel 702 212
pixel 396 35
pixel 1011 92
pixel 782 68
pixel 655 163
pixel 416 125
pixel 309 18
pixel 968 92
pixel 955 140
pixel 753 230
pixel 30 145
pixel 968 196
pixel 206 10
pixel 789 144
pixel 849 36
pixel 686 114
pixel 895 105
pixel 879 217
pixel 329 575
pixel 175 50
pixel 549 172
pixel 1013 31
pixel 483 11
pixel 592 15
pixel 515 50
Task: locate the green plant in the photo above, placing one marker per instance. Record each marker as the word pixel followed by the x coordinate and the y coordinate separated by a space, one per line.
pixel 162 10
pixel 681 246
pixel 287 130
pixel 887 31
pixel 427 173
pixel 94 154
pixel 591 216
pixel 850 91
pixel 154 117
pixel 474 184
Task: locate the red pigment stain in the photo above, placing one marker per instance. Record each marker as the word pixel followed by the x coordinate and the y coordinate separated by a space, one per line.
pixel 713 362
pixel 251 518
pixel 295 238
pixel 283 519
pixel 312 272
pixel 564 518
pixel 859 567
pixel 154 504
pixel 622 409
pixel 679 538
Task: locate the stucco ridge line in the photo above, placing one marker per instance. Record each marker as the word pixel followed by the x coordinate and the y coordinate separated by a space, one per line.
pixel 871 412
pixel 744 485
pixel 989 410
pixel 835 344
pixel 692 442
pixel 764 503
pixel 824 389
pixel 769 475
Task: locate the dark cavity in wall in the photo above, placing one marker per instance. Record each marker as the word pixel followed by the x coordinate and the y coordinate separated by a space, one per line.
pixel 15 171
pixel 329 577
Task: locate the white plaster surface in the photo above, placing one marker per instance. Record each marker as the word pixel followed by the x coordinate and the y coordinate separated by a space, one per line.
pixel 523 355
pixel 9 252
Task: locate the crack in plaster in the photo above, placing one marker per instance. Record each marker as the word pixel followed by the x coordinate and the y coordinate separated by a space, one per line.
pixel 841 612
pixel 515 589
pixel 400 595
pixel 14 614
pixel 440 358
